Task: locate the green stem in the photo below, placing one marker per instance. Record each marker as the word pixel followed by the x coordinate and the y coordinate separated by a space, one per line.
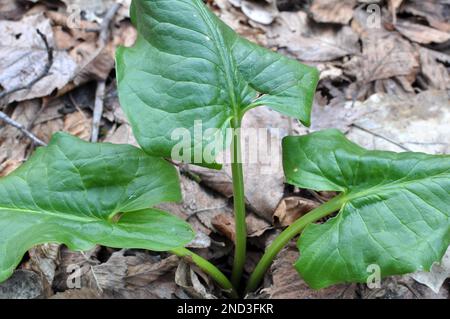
pixel 239 204
pixel 289 233
pixel 208 268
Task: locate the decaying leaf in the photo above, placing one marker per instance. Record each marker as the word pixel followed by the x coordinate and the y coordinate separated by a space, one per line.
pixel 189 279
pixel 435 74
pixel 437 276
pixel 334 11
pixel 420 33
pixel 261 11
pixel 385 55
pixel 24 284
pixel 400 287
pixel 225 224
pixel 436 12
pixel 23 57
pixel 44 260
pixel 134 274
pixel 292 208
pixel 286 283
pixel 311 42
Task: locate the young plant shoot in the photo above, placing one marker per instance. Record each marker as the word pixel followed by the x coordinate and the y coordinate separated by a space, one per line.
pixel 186 67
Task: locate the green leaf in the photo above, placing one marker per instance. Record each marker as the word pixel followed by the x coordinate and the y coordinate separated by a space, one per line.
pixel 188 66
pixel 81 194
pixel 395 208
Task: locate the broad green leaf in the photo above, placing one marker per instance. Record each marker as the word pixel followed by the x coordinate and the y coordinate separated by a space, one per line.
pixel 395 209
pixel 188 66
pixel 81 194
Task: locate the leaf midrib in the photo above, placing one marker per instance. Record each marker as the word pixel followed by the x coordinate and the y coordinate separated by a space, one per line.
pixel 223 54
pixel 60 215
pixel 387 187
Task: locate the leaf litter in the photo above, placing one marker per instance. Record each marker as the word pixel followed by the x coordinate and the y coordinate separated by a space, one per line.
pixel 384 82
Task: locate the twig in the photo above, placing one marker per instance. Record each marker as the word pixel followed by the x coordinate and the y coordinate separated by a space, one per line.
pixel 382 137
pixel 104 26
pixel 43 74
pixel 21 128
pixel 98 110
pixel 5 118
pixel 100 92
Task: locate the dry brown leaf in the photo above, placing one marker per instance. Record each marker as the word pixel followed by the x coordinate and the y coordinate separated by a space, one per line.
pixel 93 10
pixel 11 10
pixel 44 260
pixel 135 274
pixel 83 293
pixel 389 122
pixel 286 283
pixel 23 284
pixel 261 11
pixel 13 146
pixel 420 33
pixel 438 274
pixel 292 208
pixel 311 42
pixel 224 224
pixel 121 135
pixel 401 287
pixel 385 55
pixel 437 12
pixel 435 74
pixel 333 11
pixel 23 57
pixel 76 268
pixel 78 124
pixel 188 277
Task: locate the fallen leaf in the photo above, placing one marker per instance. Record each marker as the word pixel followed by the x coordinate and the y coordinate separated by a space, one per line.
pixel 420 33
pixel 189 280
pixel 23 284
pixel 311 42
pixel 435 74
pixel 385 55
pixel 11 10
pixel 80 294
pixel 225 224
pixel 135 274
pixel 389 122
pixel 286 283
pixel 23 57
pixel 400 287
pixel 92 10
pixel 436 12
pixel 334 11
pixel 44 259
pixel 436 277
pixel 78 124
pixel 261 11
pixel 292 208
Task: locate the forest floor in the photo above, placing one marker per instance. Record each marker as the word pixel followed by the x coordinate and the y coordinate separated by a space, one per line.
pixel 385 82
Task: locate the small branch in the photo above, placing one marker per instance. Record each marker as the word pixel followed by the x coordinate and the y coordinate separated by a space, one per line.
pixel 98 110
pixel 5 118
pixel 42 75
pixel 382 137
pixel 104 26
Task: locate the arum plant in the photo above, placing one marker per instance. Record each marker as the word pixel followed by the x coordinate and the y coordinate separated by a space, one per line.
pixel 393 211
pixel 188 66
pixel 82 194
